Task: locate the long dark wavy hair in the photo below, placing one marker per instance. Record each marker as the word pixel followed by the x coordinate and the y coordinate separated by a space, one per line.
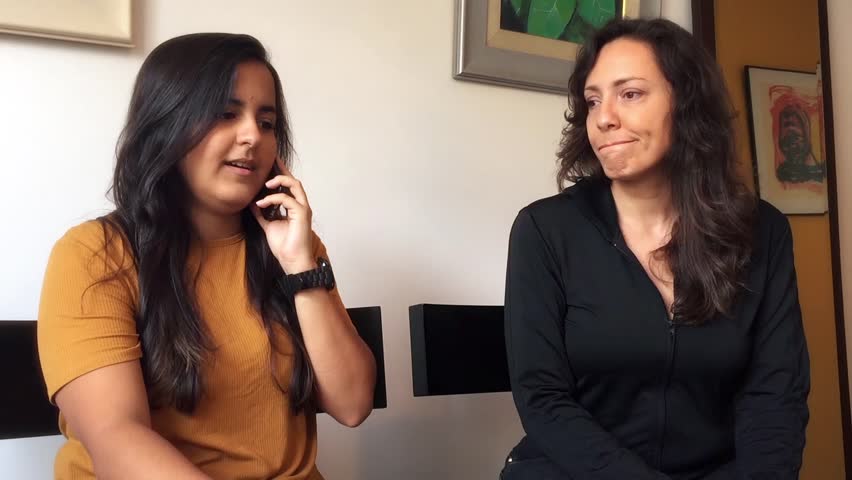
pixel 180 93
pixel 711 240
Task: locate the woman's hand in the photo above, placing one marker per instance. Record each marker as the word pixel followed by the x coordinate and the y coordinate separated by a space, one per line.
pixel 290 239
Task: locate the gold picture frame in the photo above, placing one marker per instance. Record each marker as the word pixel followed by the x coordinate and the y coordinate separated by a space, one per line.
pixel 103 22
pixel 486 53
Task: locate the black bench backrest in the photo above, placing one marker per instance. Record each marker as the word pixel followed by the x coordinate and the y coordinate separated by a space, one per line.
pixel 458 349
pixel 26 412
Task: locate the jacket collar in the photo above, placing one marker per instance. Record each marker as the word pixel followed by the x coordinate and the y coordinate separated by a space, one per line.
pixel 594 200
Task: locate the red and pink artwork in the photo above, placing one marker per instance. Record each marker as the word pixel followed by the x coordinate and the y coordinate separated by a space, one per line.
pixel 786 121
pixel 796 139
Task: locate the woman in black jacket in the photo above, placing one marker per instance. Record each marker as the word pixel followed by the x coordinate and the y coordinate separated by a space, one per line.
pixel 652 323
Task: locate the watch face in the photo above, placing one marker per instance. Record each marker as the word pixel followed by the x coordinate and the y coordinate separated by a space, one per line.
pixel 326 273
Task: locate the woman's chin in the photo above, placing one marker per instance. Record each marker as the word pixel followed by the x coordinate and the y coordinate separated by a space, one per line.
pixel 620 174
pixel 234 205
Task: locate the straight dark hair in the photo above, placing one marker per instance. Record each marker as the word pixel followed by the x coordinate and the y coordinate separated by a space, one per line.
pixel 180 93
pixel 711 240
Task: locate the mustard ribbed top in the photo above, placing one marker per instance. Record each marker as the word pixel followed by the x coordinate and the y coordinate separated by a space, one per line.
pixel 242 427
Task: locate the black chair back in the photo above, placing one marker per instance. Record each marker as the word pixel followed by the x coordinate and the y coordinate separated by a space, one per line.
pixel 24 408
pixel 26 412
pixel 458 349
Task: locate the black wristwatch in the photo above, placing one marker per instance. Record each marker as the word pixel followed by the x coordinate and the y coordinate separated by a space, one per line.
pixel 322 276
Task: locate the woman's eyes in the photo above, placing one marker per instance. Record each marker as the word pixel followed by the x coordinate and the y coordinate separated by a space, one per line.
pixel 627 95
pixel 264 124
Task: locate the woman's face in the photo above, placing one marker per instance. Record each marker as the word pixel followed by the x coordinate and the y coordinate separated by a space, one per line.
pixel 630 108
pixel 227 169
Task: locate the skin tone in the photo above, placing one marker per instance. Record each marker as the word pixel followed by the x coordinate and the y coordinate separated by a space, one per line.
pixel 630 129
pixel 108 407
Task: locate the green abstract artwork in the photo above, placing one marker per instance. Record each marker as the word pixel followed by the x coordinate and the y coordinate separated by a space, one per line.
pixel 568 20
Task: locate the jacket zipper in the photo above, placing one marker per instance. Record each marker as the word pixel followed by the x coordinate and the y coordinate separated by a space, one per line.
pixel 672 340
pixel 669 371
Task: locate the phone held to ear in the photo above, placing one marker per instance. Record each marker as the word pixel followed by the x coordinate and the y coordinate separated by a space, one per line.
pixel 273 212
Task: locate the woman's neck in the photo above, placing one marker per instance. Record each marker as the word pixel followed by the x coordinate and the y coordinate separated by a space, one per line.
pixel 211 226
pixel 645 204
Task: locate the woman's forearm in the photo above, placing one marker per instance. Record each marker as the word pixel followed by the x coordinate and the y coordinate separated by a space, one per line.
pixel 133 451
pixel 344 365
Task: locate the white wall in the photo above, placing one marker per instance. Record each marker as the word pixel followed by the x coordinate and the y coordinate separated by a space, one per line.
pixel 840 40
pixel 678 11
pixel 414 177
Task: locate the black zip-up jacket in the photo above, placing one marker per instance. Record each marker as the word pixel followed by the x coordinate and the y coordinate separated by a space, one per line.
pixel 608 388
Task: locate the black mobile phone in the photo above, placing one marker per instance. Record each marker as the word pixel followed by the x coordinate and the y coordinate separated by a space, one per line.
pixel 273 212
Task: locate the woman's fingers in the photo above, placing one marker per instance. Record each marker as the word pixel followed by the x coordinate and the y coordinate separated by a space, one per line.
pixel 290 182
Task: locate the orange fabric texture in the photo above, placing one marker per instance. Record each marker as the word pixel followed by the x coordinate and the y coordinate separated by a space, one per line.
pixel 242 427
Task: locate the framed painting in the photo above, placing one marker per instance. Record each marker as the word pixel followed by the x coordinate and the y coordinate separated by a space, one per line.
pixel 531 44
pixel 786 137
pixel 104 22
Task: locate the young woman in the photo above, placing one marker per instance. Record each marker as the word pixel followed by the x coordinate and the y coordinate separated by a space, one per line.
pixel 652 316
pixel 186 334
